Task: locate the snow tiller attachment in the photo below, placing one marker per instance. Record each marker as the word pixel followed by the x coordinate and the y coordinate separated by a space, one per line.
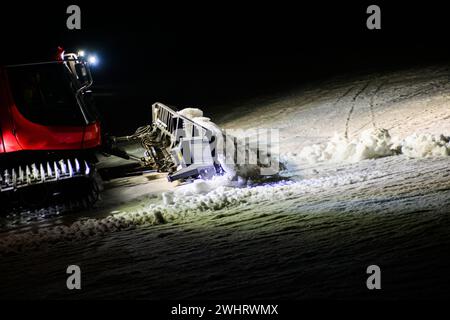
pixel 177 145
pixel 188 146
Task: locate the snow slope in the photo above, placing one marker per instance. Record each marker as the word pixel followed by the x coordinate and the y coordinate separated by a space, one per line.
pixel 310 233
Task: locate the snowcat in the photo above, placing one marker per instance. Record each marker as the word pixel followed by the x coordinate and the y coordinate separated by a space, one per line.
pixel 50 134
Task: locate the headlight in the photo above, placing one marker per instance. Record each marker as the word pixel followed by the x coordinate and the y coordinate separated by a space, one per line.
pixel 92 60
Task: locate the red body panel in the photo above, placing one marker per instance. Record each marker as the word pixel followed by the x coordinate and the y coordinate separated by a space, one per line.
pixel 19 134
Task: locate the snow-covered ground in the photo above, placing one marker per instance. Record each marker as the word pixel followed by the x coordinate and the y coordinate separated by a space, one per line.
pixel 310 233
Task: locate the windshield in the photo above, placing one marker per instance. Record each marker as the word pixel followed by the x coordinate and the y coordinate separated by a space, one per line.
pixel 45 94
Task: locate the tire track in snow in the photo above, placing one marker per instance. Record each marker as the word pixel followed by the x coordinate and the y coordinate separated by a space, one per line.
pixel 372 103
pixel 343 96
pixel 350 112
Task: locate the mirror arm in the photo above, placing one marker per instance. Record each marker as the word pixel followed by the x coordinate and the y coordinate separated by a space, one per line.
pixel 80 91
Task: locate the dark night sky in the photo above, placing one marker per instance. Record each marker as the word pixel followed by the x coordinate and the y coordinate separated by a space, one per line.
pixel 211 54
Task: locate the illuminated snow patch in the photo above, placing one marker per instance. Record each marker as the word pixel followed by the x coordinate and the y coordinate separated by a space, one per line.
pixel 201 186
pixel 183 203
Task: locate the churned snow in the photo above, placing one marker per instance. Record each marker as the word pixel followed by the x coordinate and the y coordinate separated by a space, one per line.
pixel 372 144
pixel 425 145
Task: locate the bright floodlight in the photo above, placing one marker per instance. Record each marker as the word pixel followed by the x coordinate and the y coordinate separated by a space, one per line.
pixel 93 60
pixel 81 53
